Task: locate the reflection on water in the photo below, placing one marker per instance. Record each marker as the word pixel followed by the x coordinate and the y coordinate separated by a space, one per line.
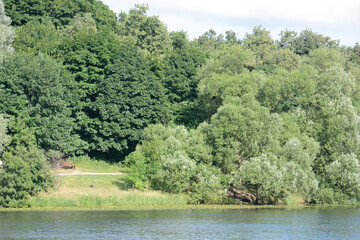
pixel 306 223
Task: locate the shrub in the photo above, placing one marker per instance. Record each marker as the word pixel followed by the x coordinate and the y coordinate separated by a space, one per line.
pixel 25 174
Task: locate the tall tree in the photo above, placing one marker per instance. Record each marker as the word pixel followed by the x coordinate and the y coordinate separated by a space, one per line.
pixel 148 32
pixel 181 67
pixel 306 41
pixel 242 129
pixel 129 99
pixel 40 88
pixel 268 54
pixel 61 12
pixel 209 41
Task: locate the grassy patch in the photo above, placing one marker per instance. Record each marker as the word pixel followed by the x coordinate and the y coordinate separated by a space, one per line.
pixel 108 192
pixel 87 164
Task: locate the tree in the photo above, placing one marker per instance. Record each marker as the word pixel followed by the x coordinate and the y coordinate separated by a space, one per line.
pixel 209 41
pixel 284 90
pixel 214 89
pixel 25 174
pixel 262 176
pixel 298 158
pixel 7 33
pixel 60 12
pixel 175 160
pixel 268 54
pixel 39 88
pixel 242 129
pixel 343 176
pixel 287 39
pixel 181 67
pixel 226 73
pixel 261 43
pixel 86 51
pixel 148 32
pixel 306 41
pixel 331 112
pixel 273 178
pixel 129 99
pixel 231 37
pixel 36 37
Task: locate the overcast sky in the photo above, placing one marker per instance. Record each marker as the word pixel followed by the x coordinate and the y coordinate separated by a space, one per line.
pixel 339 19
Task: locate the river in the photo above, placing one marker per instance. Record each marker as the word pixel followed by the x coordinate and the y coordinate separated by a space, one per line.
pixel 283 223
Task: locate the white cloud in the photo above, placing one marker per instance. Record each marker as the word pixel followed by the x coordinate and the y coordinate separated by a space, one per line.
pixel 338 19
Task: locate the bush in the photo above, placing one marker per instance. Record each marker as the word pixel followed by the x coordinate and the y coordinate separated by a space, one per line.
pixel 175 173
pixel 206 185
pixel 343 175
pixel 25 174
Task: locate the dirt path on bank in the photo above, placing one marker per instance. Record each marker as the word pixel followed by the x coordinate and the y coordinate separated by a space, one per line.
pixel 85 173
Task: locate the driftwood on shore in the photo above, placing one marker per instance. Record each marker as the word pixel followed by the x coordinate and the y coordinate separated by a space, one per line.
pixel 241 195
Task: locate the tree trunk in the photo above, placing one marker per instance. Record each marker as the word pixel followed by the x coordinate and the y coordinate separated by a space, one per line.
pixel 240 195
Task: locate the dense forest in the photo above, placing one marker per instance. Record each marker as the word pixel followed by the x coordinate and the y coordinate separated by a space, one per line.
pixel 266 119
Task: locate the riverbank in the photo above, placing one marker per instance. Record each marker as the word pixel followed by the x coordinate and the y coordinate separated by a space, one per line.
pixel 105 188
pixel 100 191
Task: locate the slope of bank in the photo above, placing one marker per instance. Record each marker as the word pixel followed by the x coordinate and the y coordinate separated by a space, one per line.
pixel 100 191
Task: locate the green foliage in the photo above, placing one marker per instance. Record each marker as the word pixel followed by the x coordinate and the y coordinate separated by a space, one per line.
pixel 159 142
pixel 214 89
pixel 242 129
pixel 7 33
pixel 86 51
pixel 37 37
pixel 226 74
pixel 4 137
pixel 286 90
pixel 181 68
pixel 306 41
pixel 344 176
pixel 174 173
pixel 25 174
pixel 175 160
pixel 129 99
pixel 148 32
pixel 206 185
pixel 272 179
pixel 39 88
pixel 261 43
pixel 60 12
pixel 21 132
pixel 263 175
pixel 209 41
pixel 298 176
pixel 233 59
pixel 282 116
pixel 268 55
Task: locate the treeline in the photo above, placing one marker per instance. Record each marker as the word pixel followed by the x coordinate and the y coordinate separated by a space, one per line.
pixel 276 119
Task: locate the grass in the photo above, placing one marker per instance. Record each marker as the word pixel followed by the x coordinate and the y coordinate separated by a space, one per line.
pixel 109 192
pixel 87 164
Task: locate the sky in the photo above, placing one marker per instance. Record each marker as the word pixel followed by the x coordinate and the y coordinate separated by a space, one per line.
pixel 337 19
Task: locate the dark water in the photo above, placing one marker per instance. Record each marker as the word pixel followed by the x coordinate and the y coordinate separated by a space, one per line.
pixel 305 223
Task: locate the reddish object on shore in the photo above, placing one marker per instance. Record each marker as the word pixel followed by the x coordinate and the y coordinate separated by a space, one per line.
pixel 67 165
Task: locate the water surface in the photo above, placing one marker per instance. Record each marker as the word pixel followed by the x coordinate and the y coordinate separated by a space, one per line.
pixel 304 223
